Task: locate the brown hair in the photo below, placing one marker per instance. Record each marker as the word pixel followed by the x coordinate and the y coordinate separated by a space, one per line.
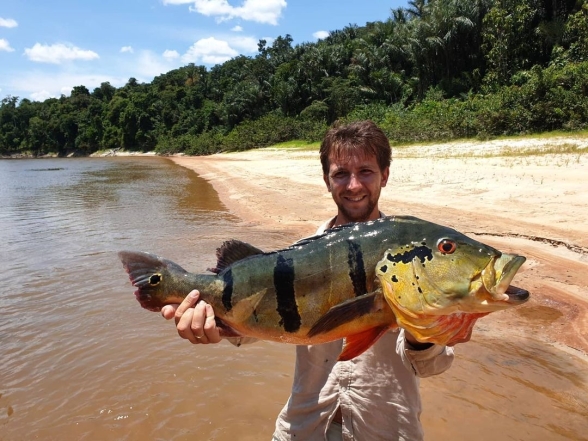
pixel 362 137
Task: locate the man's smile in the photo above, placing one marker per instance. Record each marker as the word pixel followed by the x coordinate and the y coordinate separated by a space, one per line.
pixel 354 198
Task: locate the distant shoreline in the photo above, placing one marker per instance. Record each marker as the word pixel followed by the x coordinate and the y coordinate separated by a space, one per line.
pixel 99 154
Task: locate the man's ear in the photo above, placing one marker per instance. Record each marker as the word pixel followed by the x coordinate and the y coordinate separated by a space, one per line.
pixel 326 179
pixel 385 176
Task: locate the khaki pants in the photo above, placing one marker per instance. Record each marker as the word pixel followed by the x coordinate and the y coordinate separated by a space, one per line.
pixel 334 433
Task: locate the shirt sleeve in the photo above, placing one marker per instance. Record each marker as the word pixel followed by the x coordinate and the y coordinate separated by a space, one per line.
pixel 426 363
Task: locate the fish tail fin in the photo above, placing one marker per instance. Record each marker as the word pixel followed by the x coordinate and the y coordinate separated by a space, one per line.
pixel 149 274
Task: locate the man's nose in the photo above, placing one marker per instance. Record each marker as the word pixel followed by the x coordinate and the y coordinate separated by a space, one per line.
pixel 354 182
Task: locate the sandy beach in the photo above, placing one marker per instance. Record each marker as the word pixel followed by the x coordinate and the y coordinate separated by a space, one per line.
pixel 498 192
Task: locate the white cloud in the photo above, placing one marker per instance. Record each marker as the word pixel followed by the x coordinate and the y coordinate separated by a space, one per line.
pixel 5 46
pixel 170 55
pixel 42 95
pixel 66 90
pixel 8 23
pixel 237 29
pixel 149 65
pixel 39 85
pixel 246 44
pixel 128 49
pixel 261 11
pixel 319 35
pixel 209 51
pixel 268 41
pixel 58 53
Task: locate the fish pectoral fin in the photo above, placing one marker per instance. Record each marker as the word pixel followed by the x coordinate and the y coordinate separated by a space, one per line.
pixel 347 312
pixel 367 311
pixel 362 321
pixel 357 344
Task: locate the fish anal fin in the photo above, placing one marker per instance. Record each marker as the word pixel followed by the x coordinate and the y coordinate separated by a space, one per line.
pixel 357 344
pixel 225 330
pixel 232 251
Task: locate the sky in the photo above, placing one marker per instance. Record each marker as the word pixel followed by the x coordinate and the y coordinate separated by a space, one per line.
pixel 47 48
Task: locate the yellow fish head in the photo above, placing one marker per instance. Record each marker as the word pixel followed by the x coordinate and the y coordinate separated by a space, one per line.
pixel 438 287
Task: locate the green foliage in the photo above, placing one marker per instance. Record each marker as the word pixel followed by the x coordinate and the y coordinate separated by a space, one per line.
pixel 204 144
pixel 435 70
pixel 576 35
pixel 268 130
pixel 509 38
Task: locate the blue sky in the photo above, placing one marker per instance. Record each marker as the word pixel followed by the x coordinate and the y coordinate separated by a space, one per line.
pixel 46 48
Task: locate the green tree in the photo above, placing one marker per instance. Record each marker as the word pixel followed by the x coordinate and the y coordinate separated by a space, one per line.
pixel 509 38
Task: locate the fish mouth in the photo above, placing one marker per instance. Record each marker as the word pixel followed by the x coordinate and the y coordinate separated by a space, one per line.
pixel 497 276
pixel 517 295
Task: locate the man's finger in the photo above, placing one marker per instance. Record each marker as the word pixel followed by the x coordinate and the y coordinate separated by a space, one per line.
pixel 184 327
pixel 169 311
pixel 197 324
pixel 210 329
pixel 189 302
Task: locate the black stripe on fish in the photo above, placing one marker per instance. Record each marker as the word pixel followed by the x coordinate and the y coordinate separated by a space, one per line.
pixel 285 296
pixel 422 253
pixel 356 268
pixel 227 297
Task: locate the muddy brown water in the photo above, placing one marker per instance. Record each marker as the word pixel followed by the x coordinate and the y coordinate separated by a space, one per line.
pixel 80 360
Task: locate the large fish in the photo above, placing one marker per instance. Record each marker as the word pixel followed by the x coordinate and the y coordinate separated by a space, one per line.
pixel 355 281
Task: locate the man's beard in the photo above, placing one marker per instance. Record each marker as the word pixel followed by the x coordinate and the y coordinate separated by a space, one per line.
pixel 355 216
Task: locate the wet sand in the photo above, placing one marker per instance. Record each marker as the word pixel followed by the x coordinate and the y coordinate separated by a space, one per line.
pixel 525 371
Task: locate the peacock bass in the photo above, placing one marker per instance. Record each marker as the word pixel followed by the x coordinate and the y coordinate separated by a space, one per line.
pixel 355 282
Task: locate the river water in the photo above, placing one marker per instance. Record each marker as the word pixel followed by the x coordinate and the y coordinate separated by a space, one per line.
pixel 80 360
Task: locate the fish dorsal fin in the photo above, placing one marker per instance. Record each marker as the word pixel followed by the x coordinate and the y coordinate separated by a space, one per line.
pixel 232 251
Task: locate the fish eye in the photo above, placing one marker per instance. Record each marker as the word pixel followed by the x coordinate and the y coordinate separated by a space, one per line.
pixel 155 279
pixel 446 246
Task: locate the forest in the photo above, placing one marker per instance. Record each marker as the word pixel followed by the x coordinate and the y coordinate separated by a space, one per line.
pixel 435 70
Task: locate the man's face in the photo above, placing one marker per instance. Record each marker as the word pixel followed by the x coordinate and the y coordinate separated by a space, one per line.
pixel 355 184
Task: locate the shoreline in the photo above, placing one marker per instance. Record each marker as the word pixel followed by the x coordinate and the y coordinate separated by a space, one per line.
pixel 99 154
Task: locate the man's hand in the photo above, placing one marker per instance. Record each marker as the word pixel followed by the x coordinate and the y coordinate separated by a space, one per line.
pixel 194 319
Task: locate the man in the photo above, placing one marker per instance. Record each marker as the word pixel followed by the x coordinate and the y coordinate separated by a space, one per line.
pixel 374 396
